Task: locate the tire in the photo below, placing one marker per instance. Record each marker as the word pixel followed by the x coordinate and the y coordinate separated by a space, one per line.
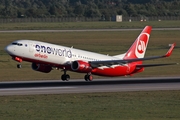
pixel 19 66
pixel 65 77
pixel 88 77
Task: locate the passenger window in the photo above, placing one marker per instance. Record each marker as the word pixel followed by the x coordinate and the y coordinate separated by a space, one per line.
pixel 14 43
pixel 19 44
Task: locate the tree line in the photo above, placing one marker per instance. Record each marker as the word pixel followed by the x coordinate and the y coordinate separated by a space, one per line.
pixel 88 8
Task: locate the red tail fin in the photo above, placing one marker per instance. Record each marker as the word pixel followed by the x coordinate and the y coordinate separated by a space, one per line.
pixel 138 48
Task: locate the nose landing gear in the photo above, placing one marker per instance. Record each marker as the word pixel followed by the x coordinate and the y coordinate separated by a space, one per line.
pixel 19 65
pixel 18 59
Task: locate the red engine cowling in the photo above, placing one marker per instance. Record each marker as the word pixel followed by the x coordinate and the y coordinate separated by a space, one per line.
pixel 81 66
pixel 41 67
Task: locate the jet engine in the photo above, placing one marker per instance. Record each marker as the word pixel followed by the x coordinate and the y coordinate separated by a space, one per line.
pixel 81 66
pixel 41 67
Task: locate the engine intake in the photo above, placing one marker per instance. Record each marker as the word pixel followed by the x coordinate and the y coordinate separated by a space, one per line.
pixel 41 67
pixel 81 66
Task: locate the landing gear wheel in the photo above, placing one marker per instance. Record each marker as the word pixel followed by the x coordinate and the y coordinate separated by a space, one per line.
pixel 19 66
pixel 88 77
pixel 65 77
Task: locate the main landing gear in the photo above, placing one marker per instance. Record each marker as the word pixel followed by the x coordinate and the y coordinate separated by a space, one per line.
pixel 66 77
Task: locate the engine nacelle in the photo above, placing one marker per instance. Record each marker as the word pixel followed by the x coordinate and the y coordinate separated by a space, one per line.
pixel 41 67
pixel 81 66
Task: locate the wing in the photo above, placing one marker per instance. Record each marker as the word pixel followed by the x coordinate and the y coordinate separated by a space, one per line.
pixel 154 65
pixel 95 64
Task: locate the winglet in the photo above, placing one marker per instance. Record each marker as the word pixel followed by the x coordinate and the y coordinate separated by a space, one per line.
pixel 170 50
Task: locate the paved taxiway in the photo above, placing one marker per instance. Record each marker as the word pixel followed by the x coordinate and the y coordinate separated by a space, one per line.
pixel 80 86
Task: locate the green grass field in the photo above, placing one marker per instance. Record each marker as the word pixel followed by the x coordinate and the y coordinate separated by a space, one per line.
pixel 87 25
pixel 157 105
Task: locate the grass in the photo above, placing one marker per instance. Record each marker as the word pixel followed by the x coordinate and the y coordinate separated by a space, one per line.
pixel 111 43
pixel 161 105
pixel 87 25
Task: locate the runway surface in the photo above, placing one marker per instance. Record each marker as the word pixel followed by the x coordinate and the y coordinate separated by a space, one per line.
pixel 81 86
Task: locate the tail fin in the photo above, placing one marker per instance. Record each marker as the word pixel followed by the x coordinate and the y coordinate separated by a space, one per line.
pixel 138 48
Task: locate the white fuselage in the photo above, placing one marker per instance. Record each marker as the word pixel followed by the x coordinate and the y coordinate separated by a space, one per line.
pixel 51 53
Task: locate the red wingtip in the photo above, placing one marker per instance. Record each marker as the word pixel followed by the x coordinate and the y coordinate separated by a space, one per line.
pixel 170 50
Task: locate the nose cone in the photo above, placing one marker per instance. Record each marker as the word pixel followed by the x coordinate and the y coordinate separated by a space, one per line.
pixel 9 49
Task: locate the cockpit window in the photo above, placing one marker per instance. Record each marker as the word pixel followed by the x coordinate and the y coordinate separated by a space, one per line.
pixel 15 43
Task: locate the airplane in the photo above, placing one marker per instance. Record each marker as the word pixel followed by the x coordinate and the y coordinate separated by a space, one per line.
pixel 45 56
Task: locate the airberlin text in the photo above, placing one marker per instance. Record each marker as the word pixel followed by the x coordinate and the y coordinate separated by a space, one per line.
pixel 55 51
pixel 41 55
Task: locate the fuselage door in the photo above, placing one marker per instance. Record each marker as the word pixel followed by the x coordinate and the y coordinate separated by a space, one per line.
pixel 31 47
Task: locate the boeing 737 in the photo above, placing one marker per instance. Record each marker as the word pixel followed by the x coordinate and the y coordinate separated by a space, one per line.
pixel 45 56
